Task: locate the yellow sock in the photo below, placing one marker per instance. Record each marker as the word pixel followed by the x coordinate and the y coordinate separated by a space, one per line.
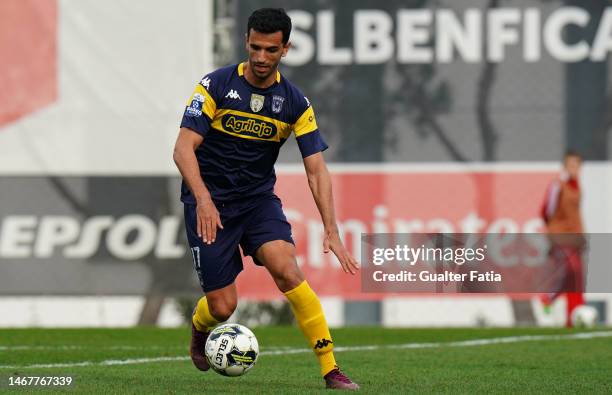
pixel 202 319
pixel 309 314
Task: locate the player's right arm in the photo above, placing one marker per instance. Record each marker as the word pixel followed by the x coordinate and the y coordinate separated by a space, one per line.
pixel 197 118
pixel 208 217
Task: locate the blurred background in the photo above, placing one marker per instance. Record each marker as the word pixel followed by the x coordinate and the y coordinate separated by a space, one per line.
pixel 441 116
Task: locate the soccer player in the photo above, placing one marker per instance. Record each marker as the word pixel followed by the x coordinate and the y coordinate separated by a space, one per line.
pixel 561 213
pixel 234 125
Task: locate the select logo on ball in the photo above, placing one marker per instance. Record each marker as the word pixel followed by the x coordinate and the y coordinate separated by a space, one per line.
pixel 232 350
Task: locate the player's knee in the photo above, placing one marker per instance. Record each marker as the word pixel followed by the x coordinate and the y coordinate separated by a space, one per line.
pixel 288 279
pixel 222 311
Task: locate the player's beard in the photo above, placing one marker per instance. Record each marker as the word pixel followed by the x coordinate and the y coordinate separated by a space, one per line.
pixel 264 75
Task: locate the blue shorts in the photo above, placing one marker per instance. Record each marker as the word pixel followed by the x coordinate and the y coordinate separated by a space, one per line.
pixel 247 224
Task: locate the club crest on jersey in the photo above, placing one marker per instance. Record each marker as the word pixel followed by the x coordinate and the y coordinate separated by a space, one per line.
pixel 257 102
pixel 277 104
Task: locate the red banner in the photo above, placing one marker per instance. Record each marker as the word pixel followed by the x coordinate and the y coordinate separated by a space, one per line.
pixel 28 49
pixel 398 202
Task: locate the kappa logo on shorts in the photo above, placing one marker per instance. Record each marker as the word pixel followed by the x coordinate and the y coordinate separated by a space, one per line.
pixel 249 126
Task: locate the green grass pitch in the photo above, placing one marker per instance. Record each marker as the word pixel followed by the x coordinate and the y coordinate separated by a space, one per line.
pixel 130 361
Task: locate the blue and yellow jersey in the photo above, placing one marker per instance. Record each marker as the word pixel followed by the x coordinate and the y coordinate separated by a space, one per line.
pixel 243 128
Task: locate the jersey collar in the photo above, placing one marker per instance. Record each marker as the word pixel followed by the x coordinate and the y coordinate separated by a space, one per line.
pixel 241 72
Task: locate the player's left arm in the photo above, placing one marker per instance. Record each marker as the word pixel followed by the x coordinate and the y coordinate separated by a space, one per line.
pixel 320 184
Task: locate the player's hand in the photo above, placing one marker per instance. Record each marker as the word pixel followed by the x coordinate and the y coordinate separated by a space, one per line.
pixel 332 242
pixel 208 219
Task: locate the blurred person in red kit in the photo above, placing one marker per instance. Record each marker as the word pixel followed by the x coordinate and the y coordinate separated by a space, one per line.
pixel 561 213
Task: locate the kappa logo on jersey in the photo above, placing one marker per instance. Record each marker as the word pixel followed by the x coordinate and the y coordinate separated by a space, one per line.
pixel 195 107
pixel 232 94
pixel 257 102
pixel 277 104
pixel 307 101
pixel 249 126
pixel 205 82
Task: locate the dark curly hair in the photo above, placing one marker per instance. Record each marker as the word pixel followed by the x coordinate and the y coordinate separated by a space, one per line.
pixel 270 20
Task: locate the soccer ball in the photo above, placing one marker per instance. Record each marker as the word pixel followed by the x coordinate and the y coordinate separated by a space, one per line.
pixel 232 349
pixel 584 316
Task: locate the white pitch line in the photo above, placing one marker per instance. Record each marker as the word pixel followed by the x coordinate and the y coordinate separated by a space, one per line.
pixel 108 362
pixel 463 343
pixel 61 347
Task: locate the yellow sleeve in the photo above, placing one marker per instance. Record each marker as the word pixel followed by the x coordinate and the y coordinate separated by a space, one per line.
pixel 306 123
pixel 209 106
